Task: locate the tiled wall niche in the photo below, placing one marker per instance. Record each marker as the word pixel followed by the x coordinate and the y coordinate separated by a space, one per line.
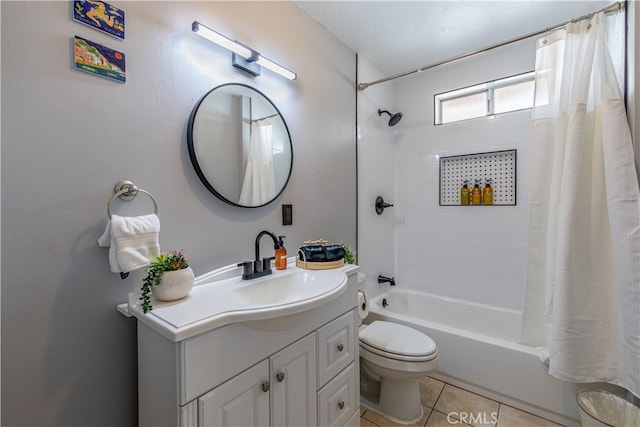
pixel 499 166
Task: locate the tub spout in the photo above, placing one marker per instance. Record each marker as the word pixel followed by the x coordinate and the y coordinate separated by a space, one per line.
pixel 385 279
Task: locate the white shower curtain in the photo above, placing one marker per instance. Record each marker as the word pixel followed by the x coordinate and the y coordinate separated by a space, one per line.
pixel 259 184
pixel 583 278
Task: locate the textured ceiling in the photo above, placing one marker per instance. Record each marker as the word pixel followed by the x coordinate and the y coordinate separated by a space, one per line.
pixel 399 36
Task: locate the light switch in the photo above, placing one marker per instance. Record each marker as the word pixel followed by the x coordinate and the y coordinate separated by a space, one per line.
pixel 287 214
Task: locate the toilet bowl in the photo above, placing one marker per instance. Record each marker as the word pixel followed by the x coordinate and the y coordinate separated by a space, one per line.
pixel 397 357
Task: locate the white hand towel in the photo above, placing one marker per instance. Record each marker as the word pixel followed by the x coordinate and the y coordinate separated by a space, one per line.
pixel 105 242
pixel 132 241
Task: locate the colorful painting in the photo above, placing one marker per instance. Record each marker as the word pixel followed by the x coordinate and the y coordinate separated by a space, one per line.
pixel 100 15
pixel 100 60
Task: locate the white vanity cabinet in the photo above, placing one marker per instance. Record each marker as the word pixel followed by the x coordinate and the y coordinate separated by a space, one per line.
pixel 301 370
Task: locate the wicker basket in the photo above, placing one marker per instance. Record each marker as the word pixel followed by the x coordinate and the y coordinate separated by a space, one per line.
pixel 310 265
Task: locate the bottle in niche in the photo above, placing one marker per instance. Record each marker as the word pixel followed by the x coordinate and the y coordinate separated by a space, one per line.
pixel 281 254
pixel 487 193
pixel 476 194
pixel 464 193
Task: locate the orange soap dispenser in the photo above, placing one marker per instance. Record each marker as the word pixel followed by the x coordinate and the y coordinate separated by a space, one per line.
pixel 476 194
pixel 487 193
pixel 281 254
pixel 464 193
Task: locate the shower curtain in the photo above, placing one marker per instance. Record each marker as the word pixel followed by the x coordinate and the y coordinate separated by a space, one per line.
pixel 259 184
pixel 582 300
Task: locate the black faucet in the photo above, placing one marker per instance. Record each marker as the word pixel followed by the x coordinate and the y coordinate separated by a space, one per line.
pixel 276 245
pixel 259 267
pixel 385 279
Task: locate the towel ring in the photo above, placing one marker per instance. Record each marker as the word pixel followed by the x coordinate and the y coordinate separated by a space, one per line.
pixel 127 190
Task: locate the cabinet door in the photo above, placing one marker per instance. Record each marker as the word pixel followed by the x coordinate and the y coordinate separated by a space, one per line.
pixel 243 401
pixel 189 414
pixel 293 379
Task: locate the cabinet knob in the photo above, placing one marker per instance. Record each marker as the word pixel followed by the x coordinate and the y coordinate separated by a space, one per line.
pixel 340 347
pixel 266 386
pixel 341 405
pixel 280 376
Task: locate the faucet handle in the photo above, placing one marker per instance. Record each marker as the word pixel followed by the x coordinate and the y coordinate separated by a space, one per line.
pixel 266 263
pixel 246 268
pixel 257 266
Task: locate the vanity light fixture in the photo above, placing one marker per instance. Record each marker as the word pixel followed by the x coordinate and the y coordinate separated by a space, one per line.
pixel 243 57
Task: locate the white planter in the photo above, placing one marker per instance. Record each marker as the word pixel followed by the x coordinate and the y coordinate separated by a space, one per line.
pixel 174 285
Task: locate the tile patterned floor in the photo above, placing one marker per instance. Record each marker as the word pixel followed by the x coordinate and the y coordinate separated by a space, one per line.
pixel 447 405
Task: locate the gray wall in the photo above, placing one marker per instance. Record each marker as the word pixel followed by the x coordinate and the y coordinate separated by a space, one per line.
pixel 633 70
pixel 68 358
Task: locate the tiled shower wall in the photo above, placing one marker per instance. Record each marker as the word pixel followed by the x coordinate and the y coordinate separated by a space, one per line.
pixel 376 174
pixel 476 253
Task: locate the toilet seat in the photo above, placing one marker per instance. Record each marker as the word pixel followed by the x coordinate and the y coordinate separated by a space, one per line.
pixel 399 342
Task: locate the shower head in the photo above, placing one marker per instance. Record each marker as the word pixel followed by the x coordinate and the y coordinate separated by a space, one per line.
pixel 394 118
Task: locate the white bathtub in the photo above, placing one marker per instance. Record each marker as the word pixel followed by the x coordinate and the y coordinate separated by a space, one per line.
pixel 479 351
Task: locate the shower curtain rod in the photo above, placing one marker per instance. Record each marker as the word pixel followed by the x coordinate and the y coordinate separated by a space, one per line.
pixel 613 8
pixel 264 118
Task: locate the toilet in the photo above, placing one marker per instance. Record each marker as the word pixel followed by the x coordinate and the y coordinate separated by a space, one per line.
pixel 393 358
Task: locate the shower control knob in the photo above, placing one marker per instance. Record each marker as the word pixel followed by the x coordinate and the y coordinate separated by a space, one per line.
pixel 381 205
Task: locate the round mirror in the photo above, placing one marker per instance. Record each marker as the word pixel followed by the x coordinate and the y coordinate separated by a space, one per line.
pixel 240 145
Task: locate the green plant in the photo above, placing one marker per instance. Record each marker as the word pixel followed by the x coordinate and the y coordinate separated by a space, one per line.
pixel 174 260
pixel 349 255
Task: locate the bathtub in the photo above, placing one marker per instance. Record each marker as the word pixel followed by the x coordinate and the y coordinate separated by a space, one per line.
pixel 479 351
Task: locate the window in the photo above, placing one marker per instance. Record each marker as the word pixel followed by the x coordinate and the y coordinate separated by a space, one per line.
pixel 464 107
pixel 486 99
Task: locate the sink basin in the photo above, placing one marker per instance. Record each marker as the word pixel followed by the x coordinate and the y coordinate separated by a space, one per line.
pixel 277 290
pixel 277 298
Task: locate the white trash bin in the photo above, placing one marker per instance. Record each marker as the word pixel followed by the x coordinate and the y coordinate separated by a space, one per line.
pixel 599 408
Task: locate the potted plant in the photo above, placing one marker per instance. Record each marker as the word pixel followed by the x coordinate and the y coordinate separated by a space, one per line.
pixel 349 254
pixel 170 276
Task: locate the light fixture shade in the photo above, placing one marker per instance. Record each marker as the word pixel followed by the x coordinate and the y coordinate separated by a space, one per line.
pixel 221 40
pixel 270 65
pixel 244 57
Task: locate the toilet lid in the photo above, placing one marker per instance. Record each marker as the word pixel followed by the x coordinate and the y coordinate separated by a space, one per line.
pixel 397 339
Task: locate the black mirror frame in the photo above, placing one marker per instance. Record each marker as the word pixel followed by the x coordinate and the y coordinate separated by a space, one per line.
pixel 194 160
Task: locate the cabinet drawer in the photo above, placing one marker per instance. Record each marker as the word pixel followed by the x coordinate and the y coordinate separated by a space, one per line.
pixel 336 346
pixel 338 400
